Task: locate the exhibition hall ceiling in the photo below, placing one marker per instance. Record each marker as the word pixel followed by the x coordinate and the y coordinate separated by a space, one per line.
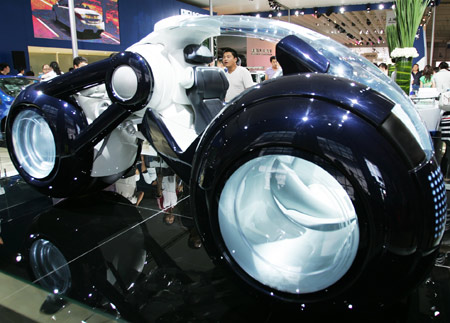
pixel 352 28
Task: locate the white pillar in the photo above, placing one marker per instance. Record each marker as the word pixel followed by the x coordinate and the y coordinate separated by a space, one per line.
pixel 211 40
pixel 432 37
pixel 73 29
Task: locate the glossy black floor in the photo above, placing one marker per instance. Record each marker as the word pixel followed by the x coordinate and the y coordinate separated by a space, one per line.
pixel 127 262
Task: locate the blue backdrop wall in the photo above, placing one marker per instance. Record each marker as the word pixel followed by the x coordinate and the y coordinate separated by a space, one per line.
pixel 136 20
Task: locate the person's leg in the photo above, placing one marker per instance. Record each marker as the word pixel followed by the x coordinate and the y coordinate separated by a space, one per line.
pixel 143 166
pixel 140 196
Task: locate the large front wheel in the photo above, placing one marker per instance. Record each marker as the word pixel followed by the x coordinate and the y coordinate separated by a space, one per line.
pixel 288 223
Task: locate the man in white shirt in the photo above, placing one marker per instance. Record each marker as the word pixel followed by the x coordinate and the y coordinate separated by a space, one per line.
pixel 239 78
pixel 442 78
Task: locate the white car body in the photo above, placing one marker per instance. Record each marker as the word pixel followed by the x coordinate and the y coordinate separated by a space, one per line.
pixel 87 20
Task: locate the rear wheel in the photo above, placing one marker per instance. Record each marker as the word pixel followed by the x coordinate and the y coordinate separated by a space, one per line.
pixel 41 147
pixel 34 143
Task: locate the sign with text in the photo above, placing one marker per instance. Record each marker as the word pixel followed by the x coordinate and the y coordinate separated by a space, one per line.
pixel 259 53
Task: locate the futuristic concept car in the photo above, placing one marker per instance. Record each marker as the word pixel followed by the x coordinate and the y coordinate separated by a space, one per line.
pixel 317 186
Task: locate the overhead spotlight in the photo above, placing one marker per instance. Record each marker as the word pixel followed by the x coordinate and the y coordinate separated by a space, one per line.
pixel 270 15
pixel 258 15
pixel 381 7
pixel 342 9
pixel 368 7
pixel 296 12
pixel 316 11
pixel 279 14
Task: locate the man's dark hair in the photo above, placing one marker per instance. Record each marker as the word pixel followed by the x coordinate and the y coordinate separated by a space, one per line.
pixel 443 66
pixel 272 58
pixel 383 65
pixel 3 66
pixel 230 50
pixel 29 73
pixel 77 60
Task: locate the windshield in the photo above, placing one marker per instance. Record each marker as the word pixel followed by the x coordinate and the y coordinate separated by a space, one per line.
pixel 343 62
pixel 12 86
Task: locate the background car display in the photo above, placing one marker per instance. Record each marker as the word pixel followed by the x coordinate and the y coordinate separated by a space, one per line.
pixel 10 87
pixel 316 187
pixel 87 20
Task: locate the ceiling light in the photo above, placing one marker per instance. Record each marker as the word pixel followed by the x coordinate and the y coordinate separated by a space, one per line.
pixel 341 9
pixel 274 5
pixel 381 6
